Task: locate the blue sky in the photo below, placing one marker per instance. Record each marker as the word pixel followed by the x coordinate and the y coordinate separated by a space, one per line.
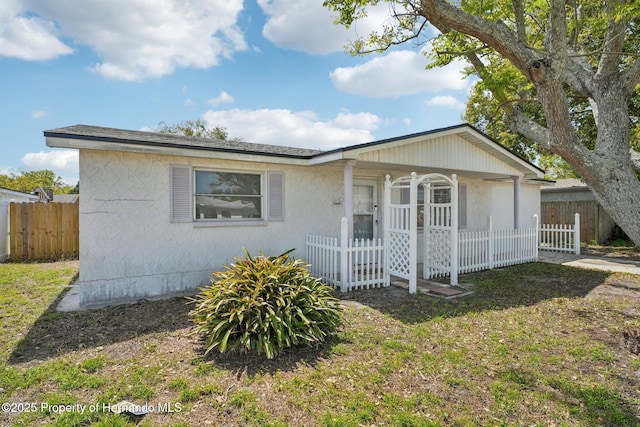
pixel 269 71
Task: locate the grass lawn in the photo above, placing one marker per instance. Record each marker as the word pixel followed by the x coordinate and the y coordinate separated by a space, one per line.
pixel 534 345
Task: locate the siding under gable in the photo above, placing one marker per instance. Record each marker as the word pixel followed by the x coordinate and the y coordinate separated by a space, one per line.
pixel 446 152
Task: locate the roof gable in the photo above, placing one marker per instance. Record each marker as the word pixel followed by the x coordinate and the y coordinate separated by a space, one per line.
pixel 456 148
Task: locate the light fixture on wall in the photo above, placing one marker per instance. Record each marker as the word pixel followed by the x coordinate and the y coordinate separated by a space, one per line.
pixel 337 201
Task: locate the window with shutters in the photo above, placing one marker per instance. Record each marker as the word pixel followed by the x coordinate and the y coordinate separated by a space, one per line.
pixel 228 195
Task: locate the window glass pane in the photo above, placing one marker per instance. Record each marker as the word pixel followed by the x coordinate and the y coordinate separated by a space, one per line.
pixel 227 183
pixel 223 207
pixel 442 195
pixel 227 195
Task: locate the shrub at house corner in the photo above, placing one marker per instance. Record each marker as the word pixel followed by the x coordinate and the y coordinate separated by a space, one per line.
pixel 264 305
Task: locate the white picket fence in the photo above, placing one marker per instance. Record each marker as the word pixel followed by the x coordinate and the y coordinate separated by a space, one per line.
pixel 560 237
pixel 487 249
pixel 345 263
pixel 350 264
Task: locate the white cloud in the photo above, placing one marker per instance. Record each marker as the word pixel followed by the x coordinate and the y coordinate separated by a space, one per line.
pixel 308 26
pixel 30 38
pixel 38 114
pixel 8 170
pixel 446 101
pixel 63 162
pixel 138 39
pixel 223 98
pixel 396 74
pixel 295 129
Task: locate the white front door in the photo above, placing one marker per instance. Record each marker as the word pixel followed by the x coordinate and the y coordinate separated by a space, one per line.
pixel 365 209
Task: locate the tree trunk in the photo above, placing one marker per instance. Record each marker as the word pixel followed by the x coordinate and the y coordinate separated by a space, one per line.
pixel 608 169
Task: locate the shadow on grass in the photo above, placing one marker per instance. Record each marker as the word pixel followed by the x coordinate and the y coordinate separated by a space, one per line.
pixel 521 285
pixel 55 333
pixel 288 360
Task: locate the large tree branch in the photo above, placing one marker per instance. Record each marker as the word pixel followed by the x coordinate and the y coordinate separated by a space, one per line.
pixel 613 42
pixel 632 76
pixel 635 159
pixel 443 15
pixel 579 75
pixel 521 27
pixel 520 123
pixel 556 37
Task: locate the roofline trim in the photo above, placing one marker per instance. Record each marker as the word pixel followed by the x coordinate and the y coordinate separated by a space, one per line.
pixel 62 135
pixel 317 158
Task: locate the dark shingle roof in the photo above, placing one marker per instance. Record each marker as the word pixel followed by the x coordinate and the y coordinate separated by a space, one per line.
pixel 97 133
pixel 154 139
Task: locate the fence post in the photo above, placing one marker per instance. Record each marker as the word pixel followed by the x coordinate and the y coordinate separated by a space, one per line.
pixel 4 230
pixel 490 243
pixel 576 234
pixel 537 238
pixel 344 256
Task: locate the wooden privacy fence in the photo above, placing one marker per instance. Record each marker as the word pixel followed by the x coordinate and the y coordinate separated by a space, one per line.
pixel 43 231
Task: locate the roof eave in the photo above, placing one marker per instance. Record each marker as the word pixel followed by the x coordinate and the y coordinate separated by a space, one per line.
pixel 61 140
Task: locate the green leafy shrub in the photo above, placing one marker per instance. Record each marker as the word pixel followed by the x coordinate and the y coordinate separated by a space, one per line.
pixel 264 304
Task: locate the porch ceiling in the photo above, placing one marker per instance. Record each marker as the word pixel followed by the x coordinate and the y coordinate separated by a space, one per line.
pixel 403 169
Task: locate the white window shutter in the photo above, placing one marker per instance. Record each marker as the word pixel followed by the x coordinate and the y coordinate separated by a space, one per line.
pixel 275 196
pixel 462 205
pixel 181 195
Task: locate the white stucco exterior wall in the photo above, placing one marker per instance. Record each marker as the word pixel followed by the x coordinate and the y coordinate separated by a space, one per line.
pixel 130 249
pixel 503 201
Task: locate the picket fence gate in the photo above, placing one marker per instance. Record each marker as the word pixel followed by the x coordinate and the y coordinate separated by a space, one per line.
pixel 560 237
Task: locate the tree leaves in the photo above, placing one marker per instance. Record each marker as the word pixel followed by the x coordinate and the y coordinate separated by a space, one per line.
pixel 27 182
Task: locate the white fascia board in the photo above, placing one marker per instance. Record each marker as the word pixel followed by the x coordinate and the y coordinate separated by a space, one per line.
pixel 169 151
pixel 327 158
pixel 18 193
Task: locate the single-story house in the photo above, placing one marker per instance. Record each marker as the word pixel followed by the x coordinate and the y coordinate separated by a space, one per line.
pixel 159 212
pixel 17 196
pixel 561 201
pixel 7 196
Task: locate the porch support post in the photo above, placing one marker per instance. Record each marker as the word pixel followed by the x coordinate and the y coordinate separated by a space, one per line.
pixel 348 195
pixel 516 202
pixel 387 226
pixel 413 235
pixel 454 231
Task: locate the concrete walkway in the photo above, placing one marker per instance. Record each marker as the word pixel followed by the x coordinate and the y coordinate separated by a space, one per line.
pixel 617 265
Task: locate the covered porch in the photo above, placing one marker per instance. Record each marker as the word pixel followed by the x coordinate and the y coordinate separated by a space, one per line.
pixel 452 202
